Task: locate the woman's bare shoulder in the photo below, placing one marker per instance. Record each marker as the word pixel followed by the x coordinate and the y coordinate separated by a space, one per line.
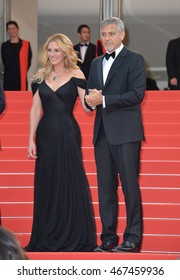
pixel 78 74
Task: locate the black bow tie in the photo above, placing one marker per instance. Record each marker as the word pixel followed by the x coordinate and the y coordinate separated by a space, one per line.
pixel 107 55
pixel 84 45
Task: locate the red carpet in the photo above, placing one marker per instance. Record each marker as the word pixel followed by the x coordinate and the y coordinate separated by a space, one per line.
pixel 159 180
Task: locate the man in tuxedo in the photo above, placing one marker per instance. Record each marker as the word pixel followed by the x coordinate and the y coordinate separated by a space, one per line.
pixel 2 108
pixel 86 50
pixel 173 64
pixel 116 87
pixel 2 100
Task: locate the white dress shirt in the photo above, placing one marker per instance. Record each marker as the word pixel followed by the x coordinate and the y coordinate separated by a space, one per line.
pixel 107 65
pixel 83 50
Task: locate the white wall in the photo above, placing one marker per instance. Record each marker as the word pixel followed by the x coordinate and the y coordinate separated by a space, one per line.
pixel 26 14
pixel 150 37
pixel 149 24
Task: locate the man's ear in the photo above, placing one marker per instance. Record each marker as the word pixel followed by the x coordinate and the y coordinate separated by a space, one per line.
pixel 122 35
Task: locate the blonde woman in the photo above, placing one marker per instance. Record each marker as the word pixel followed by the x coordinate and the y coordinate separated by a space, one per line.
pixel 63 218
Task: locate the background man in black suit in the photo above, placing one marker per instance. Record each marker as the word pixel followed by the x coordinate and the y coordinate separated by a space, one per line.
pixel 2 108
pixel 116 86
pixel 86 50
pixel 173 64
pixel 2 100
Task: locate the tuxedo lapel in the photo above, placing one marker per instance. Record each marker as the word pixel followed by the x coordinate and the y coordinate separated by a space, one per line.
pixel 100 72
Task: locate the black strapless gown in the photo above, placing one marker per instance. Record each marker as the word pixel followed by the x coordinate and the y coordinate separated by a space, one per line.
pixel 63 216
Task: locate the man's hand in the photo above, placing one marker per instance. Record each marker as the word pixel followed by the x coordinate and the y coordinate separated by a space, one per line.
pixel 174 82
pixel 94 97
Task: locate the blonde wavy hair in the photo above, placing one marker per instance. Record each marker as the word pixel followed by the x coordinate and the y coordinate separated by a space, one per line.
pixel 70 59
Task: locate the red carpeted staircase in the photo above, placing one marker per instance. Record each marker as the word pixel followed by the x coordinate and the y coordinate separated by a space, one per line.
pixel 159 180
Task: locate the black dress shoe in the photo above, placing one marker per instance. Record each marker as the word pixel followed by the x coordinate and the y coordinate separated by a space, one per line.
pixel 105 247
pixel 126 246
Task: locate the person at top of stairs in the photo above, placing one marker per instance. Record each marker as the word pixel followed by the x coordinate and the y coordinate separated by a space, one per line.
pixel 16 55
pixel 2 100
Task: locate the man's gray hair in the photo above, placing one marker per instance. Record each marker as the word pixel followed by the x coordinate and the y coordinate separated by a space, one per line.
pixel 113 20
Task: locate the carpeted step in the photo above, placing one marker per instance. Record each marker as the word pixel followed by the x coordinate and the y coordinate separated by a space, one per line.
pixel 151 243
pixel 101 256
pixel 14 140
pixel 147 166
pixel 153 226
pixel 146 180
pixel 149 195
pixel 151 209
pixel 159 179
pixel 148 153
pixel 157 129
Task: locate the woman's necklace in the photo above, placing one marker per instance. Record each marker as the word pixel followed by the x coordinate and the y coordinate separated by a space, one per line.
pixel 55 75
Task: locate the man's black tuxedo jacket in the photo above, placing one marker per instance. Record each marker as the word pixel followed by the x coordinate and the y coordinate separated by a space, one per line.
pixel 173 61
pixel 124 91
pixel 2 100
pixel 89 56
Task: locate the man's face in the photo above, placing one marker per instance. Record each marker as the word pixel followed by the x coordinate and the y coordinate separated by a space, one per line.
pixel 112 38
pixel 85 35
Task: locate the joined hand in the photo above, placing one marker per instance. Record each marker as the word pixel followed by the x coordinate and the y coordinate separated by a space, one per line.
pixel 94 97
